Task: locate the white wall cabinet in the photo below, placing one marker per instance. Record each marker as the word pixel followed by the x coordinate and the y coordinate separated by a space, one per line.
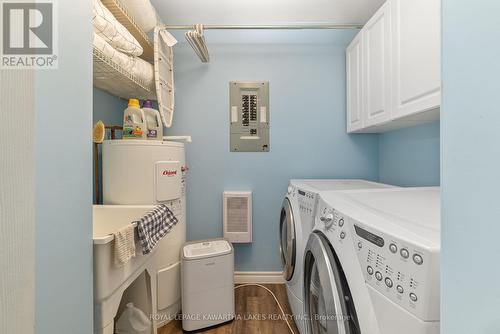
pixel 416 45
pixel 400 68
pixel 377 68
pixel 354 82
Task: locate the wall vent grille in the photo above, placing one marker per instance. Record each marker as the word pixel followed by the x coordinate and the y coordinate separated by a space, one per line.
pixel 237 212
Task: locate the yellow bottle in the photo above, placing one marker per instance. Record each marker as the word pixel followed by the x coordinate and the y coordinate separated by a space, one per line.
pixel 134 122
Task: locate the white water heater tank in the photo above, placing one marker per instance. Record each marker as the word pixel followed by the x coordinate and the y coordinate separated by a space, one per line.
pixel 142 172
pixel 146 172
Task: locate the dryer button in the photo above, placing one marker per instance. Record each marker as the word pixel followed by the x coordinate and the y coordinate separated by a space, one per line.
pixel 341 222
pixel 388 282
pixel 400 289
pixel 342 235
pixel 369 270
pixel 393 248
pixel 413 297
pixel 378 276
pixel 418 259
pixel 404 253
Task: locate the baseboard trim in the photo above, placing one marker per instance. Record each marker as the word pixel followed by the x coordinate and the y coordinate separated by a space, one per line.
pixel 265 277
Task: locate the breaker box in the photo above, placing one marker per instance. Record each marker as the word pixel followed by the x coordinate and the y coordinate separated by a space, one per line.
pixel 249 116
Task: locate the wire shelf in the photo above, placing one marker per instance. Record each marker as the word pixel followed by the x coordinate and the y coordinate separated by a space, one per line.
pixel 121 14
pixel 111 77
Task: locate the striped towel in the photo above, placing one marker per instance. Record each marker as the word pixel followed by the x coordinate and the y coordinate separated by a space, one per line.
pixel 153 226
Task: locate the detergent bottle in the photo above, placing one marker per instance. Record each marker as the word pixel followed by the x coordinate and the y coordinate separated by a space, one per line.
pixel 134 122
pixel 133 321
pixel 153 122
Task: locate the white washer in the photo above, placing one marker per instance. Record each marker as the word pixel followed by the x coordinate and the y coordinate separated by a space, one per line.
pixel 373 257
pixel 296 223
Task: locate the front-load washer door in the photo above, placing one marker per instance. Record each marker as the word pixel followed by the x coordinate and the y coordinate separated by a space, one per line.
pixel 288 240
pixel 328 304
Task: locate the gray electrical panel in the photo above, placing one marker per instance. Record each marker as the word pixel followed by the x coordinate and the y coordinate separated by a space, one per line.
pixel 249 116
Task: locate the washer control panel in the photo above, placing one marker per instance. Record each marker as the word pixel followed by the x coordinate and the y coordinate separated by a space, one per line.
pixel 332 222
pixel 307 207
pixel 307 201
pixel 400 270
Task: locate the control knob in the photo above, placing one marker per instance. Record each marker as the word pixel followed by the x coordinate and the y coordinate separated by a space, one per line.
pixel 327 220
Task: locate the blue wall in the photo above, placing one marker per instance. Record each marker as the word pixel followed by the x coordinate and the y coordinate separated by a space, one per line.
pixel 470 129
pixel 109 109
pixel 308 137
pixel 307 95
pixel 64 298
pixel 410 157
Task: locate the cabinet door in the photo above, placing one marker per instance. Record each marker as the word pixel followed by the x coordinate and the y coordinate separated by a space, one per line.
pixel 377 68
pixel 416 55
pixel 354 84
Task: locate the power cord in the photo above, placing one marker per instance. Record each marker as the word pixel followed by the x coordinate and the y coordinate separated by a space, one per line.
pixel 275 299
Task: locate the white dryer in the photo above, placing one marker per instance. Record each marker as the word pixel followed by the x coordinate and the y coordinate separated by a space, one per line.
pixel 371 265
pixel 296 223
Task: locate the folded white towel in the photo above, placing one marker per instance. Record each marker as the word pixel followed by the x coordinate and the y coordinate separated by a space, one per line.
pixel 113 32
pixel 124 245
pixel 143 13
pixel 136 66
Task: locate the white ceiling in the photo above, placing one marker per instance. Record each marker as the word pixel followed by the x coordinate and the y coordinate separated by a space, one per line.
pixel 266 11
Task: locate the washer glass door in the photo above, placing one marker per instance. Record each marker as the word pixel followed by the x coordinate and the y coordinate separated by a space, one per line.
pixel 287 239
pixel 328 303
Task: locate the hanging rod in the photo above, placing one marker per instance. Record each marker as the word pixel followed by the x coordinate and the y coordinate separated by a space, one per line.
pixel 268 27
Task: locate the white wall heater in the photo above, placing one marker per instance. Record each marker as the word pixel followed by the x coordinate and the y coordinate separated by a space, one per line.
pixel 237 212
